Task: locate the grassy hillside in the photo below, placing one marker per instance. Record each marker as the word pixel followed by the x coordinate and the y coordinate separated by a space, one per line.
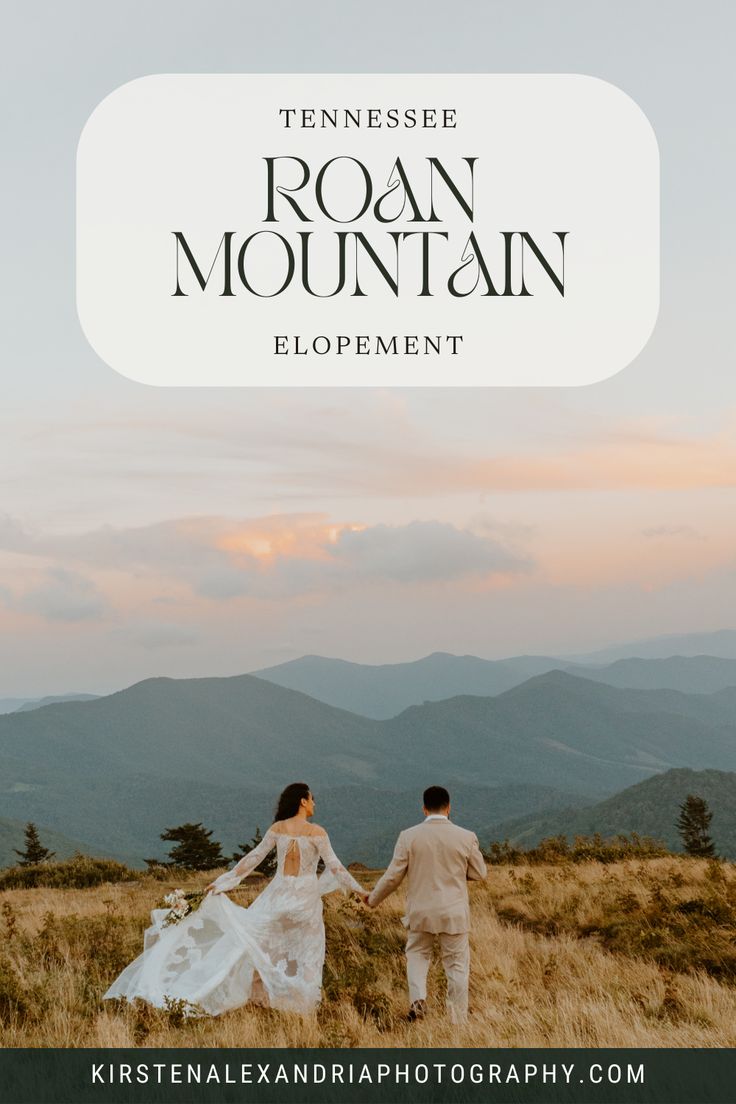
pixel 649 809
pixel 634 954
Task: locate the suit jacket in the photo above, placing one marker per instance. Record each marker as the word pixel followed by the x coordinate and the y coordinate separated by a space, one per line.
pixel 438 858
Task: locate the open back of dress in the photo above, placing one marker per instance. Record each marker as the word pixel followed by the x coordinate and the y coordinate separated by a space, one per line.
pixel 292 859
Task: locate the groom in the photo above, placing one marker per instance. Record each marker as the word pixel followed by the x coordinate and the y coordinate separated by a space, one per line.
pixel 437 858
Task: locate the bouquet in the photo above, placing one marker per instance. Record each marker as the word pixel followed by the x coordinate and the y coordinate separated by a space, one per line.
pixel 180 904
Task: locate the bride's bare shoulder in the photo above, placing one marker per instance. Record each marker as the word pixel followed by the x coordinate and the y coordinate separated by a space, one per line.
pixel 281 828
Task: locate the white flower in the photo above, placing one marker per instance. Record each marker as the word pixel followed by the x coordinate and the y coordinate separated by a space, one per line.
pixel 179 906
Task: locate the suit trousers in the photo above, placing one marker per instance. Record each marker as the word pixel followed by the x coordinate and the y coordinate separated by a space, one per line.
pixel 455 951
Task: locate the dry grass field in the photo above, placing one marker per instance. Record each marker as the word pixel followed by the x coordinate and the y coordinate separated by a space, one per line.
pixel 629 954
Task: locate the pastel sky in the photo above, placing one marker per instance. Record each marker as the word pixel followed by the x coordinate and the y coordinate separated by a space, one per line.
pixel 206 532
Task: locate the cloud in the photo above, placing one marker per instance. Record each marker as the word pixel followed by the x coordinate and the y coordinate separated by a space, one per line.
pixel 63 596
pixel 223 581
pixel 422 551
pixel 620 455
pixel 13 536
pixel 673 531
pixel 619 464
pixel 274 557
pixel 303 448
pixel 154 636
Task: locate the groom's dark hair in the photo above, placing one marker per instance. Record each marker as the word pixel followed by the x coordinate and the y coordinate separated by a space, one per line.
pixel 435 798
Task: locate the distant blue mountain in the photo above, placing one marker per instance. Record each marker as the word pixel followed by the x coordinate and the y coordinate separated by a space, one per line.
pixel 24 705
pixel 721 643
pixel 385 690
pixel 39 703
pixel 118 770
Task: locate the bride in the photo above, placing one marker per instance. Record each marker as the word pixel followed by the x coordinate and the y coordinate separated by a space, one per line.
pixel 221 956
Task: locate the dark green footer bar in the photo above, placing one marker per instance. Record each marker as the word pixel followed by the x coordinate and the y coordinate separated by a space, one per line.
pixel 353 1076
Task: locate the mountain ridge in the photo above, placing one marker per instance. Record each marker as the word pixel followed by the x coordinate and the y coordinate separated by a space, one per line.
pixel 381 691
pixel 12 839
pixel 117 770
pixel 649 808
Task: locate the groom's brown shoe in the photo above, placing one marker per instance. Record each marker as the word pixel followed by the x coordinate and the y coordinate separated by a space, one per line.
pixel 417 1011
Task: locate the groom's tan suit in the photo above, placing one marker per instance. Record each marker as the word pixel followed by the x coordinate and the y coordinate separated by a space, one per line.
pixel 437 858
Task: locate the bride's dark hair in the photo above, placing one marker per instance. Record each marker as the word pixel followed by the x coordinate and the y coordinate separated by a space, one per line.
pixel 290 800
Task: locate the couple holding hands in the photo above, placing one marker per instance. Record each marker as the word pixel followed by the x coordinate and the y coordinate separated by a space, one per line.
pixel 223 956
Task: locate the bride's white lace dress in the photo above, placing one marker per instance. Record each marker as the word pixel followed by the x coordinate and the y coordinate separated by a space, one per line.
pixel 212 956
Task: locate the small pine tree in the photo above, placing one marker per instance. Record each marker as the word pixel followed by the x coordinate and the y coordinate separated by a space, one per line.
pixel 194 849
pixel 34 852
pixel 693 824
pixel 268 866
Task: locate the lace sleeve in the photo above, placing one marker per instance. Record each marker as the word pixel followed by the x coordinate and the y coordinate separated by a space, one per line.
pixel 246 866
pixel 333 865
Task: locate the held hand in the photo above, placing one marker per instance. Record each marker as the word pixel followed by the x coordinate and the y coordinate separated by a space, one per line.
pixel 210 888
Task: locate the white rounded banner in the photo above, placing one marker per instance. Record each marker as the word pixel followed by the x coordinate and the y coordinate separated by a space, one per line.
pixel 435 230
